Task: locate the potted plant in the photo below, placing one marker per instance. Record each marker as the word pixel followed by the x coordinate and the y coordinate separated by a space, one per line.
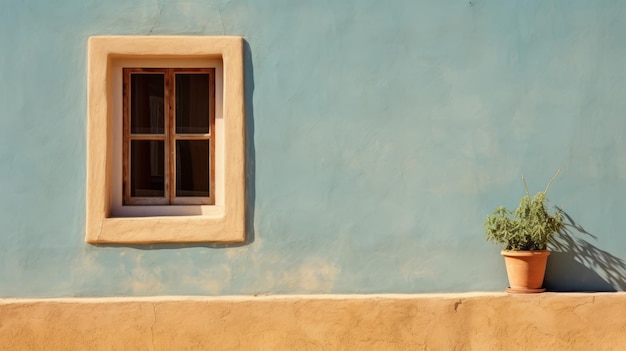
pixel 525 233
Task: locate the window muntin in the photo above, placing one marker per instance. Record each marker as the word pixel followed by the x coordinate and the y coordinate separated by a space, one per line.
pixel 169 141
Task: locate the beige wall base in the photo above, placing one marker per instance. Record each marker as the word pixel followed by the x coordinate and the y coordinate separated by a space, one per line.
pixel 476 321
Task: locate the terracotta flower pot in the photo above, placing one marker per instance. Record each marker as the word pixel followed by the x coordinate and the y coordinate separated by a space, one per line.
pixel 525 270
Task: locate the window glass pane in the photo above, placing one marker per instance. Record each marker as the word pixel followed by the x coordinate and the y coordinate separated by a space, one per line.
pixel 192 168
pixel 147 168
pixel 147 103
pixel 192 103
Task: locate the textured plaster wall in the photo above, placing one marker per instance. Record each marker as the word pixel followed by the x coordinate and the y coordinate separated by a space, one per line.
pixel 380 134
pixel 325 322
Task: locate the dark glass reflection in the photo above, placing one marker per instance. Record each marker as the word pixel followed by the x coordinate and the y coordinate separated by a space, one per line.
pixel 192 168
pixel 147 164
pixel 147 103
pixel 192 103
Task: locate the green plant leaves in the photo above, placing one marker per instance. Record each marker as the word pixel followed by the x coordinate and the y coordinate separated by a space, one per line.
pixel 529 227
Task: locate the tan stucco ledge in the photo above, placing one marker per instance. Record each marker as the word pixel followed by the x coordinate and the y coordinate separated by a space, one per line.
pixel 463 321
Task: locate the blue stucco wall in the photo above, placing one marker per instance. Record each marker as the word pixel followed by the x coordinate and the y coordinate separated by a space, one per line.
pixel 380 135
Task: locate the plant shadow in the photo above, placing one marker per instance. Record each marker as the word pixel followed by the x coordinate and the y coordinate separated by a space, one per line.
pixel 575 264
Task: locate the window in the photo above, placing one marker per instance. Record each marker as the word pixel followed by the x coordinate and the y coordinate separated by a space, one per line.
pixel 165 158
pixel 169 136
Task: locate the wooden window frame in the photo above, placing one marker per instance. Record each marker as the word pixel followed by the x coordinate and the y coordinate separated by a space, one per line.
pixel 169 137
pixel 225 221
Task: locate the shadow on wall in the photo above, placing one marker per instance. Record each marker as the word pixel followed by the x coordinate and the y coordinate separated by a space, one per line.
pixel 575 264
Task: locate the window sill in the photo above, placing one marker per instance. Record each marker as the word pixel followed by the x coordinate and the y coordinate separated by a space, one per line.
pixel 144 230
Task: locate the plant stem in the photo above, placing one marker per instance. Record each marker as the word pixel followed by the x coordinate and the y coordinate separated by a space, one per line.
pixel 525 187
pixel 551 180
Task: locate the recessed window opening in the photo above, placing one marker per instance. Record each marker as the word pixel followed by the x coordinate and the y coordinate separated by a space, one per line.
pixel 166 139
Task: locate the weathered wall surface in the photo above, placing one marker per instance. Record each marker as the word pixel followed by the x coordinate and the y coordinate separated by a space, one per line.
pixel 380 135
pixel 385 322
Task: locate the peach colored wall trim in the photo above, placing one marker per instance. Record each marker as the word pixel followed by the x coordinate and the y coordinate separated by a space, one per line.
pixel 473 321
pixel 226 223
